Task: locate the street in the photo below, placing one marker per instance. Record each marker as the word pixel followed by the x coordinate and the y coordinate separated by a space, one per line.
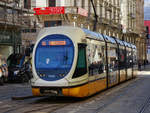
pixel 74 48
pixel 130 97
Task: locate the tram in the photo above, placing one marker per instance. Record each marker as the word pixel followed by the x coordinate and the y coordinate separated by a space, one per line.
pixel 76 62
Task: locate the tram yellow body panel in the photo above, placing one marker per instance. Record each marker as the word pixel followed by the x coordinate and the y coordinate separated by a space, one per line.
pixel 80 91
pixel 113 84
pixel 122 76
pixel 135 73
pixel 36 92
pixel 85 90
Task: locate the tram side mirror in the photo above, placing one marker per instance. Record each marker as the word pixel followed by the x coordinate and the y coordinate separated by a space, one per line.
pixel 27 51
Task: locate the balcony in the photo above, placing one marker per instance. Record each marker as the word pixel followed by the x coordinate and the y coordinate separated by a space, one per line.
pixel 11 5
pixel 13 15
pixel 14 20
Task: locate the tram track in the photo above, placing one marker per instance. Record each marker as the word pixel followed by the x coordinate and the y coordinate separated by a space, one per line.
pixel 101 98
pixel 47 109
pixel 143 108
pixel 116 97
pixel 46 105
pixel 145 105
pixel 51 104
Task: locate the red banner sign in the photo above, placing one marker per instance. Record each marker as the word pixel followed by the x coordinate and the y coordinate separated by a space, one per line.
pixel 49 10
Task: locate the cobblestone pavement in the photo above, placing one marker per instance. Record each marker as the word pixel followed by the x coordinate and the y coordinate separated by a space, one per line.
pixel 130 97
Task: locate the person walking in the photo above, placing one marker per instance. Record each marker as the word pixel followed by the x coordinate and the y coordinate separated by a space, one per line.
pixel 139 65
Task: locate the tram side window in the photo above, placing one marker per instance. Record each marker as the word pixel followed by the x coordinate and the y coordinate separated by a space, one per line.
pixel 134 57
pixel 129 59
pixel 81 67
pixel 122 62
pixel 112 58
pixel 96 59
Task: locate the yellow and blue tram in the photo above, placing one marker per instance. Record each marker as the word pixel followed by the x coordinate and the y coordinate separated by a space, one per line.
pixel 71 61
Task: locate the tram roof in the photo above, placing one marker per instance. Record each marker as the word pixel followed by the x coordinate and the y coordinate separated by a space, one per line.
pixel 133 46
pixel 93 35
pixel 127 44
pixel 120 42
pixel 109 39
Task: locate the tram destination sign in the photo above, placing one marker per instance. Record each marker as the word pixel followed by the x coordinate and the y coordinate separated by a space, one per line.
pixel 49 10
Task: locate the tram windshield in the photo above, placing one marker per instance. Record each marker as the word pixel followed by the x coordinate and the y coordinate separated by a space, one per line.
pixel 54 58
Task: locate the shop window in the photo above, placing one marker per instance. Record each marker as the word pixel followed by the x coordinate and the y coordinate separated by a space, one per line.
pixel 52 3
pixel 52 23
pixel 29 30
pixel 27 4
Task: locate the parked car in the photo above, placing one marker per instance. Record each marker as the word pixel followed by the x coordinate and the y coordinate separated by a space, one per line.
pixel 16 68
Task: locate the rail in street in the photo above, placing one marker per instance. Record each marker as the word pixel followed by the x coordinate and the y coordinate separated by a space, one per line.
pixel 130 97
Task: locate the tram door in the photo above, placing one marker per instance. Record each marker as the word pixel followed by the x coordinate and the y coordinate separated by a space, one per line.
pixel 113 72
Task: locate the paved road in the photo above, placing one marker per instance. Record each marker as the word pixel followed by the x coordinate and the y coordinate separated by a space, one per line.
pixel 31 105
pixel 130 97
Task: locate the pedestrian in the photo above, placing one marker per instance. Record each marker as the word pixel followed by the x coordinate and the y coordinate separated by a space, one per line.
pixel 139 65
pixel 144 63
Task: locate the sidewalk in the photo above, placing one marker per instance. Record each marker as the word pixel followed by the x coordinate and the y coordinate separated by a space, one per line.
pixel 145 71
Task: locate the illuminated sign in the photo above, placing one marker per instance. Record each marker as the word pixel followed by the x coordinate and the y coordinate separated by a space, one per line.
pixel 53 43
pixel 82 12
pixel 43 43
pixel 49 10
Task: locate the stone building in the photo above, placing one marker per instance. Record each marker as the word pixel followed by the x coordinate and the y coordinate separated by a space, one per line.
pixel 132 20
pixel 140 29
pixel 122 19
pixel 128 19
pixel 12 20
pixel 105 19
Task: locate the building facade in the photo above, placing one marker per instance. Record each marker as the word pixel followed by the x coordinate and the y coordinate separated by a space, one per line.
pixel 132 21
pixel 140 29
pixel 123 19
pixel 12 20
pixel 147 25
pixel 81 13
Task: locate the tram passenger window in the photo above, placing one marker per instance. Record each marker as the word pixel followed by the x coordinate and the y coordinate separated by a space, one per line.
pixel 96 59
pixel 112 59
pixel 130 59
pixel 81 67
pixel 134 57
pixel 122 61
